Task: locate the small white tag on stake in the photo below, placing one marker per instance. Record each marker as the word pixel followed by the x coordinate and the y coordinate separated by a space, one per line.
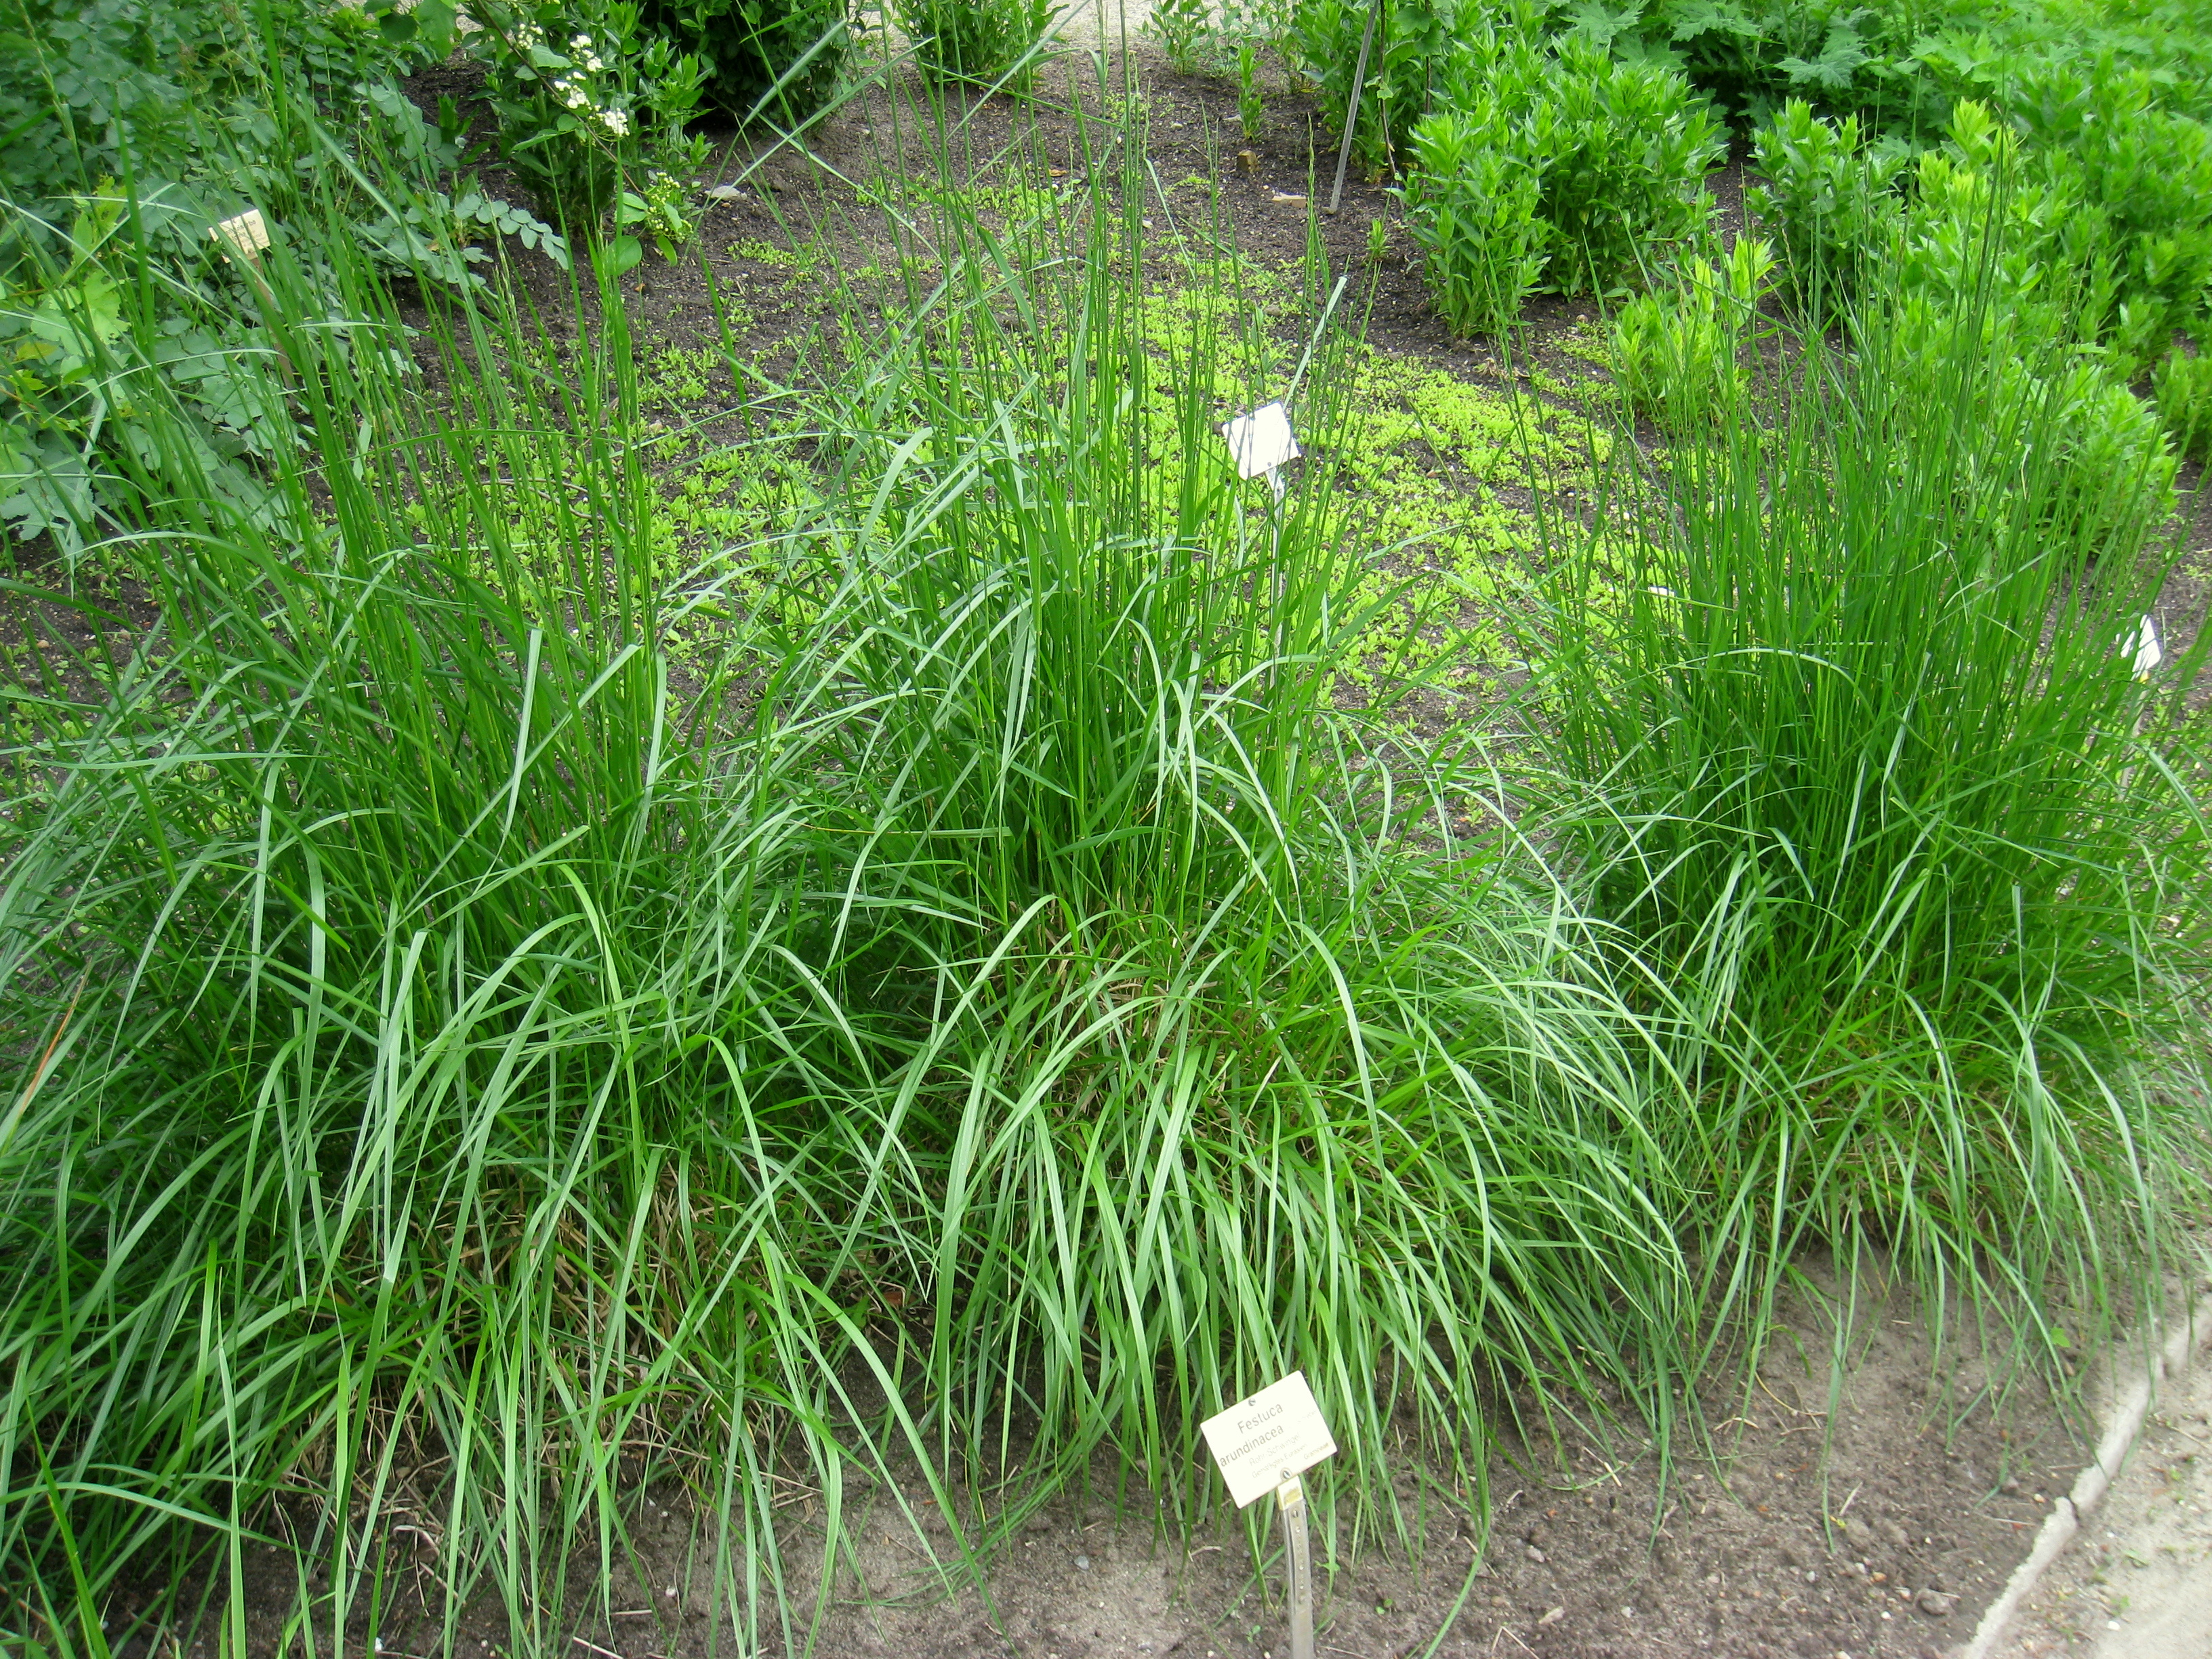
pixel 1262 441
pixel 1260 1443
pixel 246 232
pixel 2148 655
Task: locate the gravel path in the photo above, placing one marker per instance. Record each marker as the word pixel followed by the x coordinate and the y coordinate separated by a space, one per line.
pixel 2137 1581
pixel 1102 22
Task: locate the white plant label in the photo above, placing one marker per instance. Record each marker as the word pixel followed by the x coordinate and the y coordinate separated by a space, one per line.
pixel 1260 1443
pixel 246 232
pixel 2147 653
pixel 1260 441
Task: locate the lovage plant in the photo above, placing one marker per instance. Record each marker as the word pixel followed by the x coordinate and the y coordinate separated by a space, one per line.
pixel 1474 210
pixel 1678 352
pixel 1618 151
pixel 1829 198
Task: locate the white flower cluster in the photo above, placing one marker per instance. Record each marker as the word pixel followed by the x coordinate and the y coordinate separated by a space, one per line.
pixel 574 89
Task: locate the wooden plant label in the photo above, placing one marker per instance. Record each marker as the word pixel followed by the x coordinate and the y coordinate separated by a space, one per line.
pixel 1260 1443
pixel 1260 441
pixel 246 233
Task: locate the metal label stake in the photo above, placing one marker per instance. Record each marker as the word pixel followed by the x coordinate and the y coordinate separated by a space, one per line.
pixel 246 236
pixel 1281 1430
pixel 1352 109
pixel 1291 1502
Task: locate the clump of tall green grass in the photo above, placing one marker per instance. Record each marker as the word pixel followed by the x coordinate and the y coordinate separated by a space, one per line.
pixel 997 1007
pixel 1842 715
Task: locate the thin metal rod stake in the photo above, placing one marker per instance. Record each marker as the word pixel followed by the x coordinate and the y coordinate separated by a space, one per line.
pixel 1290 1500
pixel 1352 110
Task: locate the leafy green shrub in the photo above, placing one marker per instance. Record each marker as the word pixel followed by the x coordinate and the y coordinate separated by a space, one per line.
pixel 580 101
pixel 1182 28
pixel 1414 37
pixel 2184 385
pixel 2000 244
pixel 2115 467
pixel 1212 36
pixel 1832 201
pixel 1473 212
pixel 76 85
pixel 2107 234
pixel 1992 218
pixel 1266 22
pixel 1620 150
pixel 1566 166
pixel 1678 350
pixel 114 298
pixel 1984 49
pixel 422 231
pixel 1899 65
pixel 1984 215
pixel 2105 473
pixel 1841 56
pixel 778 58
pixel 2147 171
pixel 974 40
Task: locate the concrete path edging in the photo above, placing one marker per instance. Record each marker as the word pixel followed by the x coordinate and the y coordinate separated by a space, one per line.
pixel 2122 1430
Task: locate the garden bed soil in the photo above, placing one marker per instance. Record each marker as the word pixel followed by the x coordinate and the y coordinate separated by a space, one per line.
pixel 784 193
pixel 1876 1521
pixel 1265 190
pixel 1884 1534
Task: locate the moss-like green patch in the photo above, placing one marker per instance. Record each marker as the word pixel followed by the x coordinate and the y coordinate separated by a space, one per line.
pixel 1435 475
pixel 1437 480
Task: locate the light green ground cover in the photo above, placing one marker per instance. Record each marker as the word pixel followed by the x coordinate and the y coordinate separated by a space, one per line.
pixel 1436 471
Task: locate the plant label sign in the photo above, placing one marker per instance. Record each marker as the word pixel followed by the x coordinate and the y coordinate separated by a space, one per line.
pixel 1260 1443
pixel 245 234
pixel 1260 441
pixel 2147 653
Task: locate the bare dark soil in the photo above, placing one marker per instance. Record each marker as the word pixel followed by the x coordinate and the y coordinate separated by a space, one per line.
pixel 1876 1519
pixel 1881 1525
